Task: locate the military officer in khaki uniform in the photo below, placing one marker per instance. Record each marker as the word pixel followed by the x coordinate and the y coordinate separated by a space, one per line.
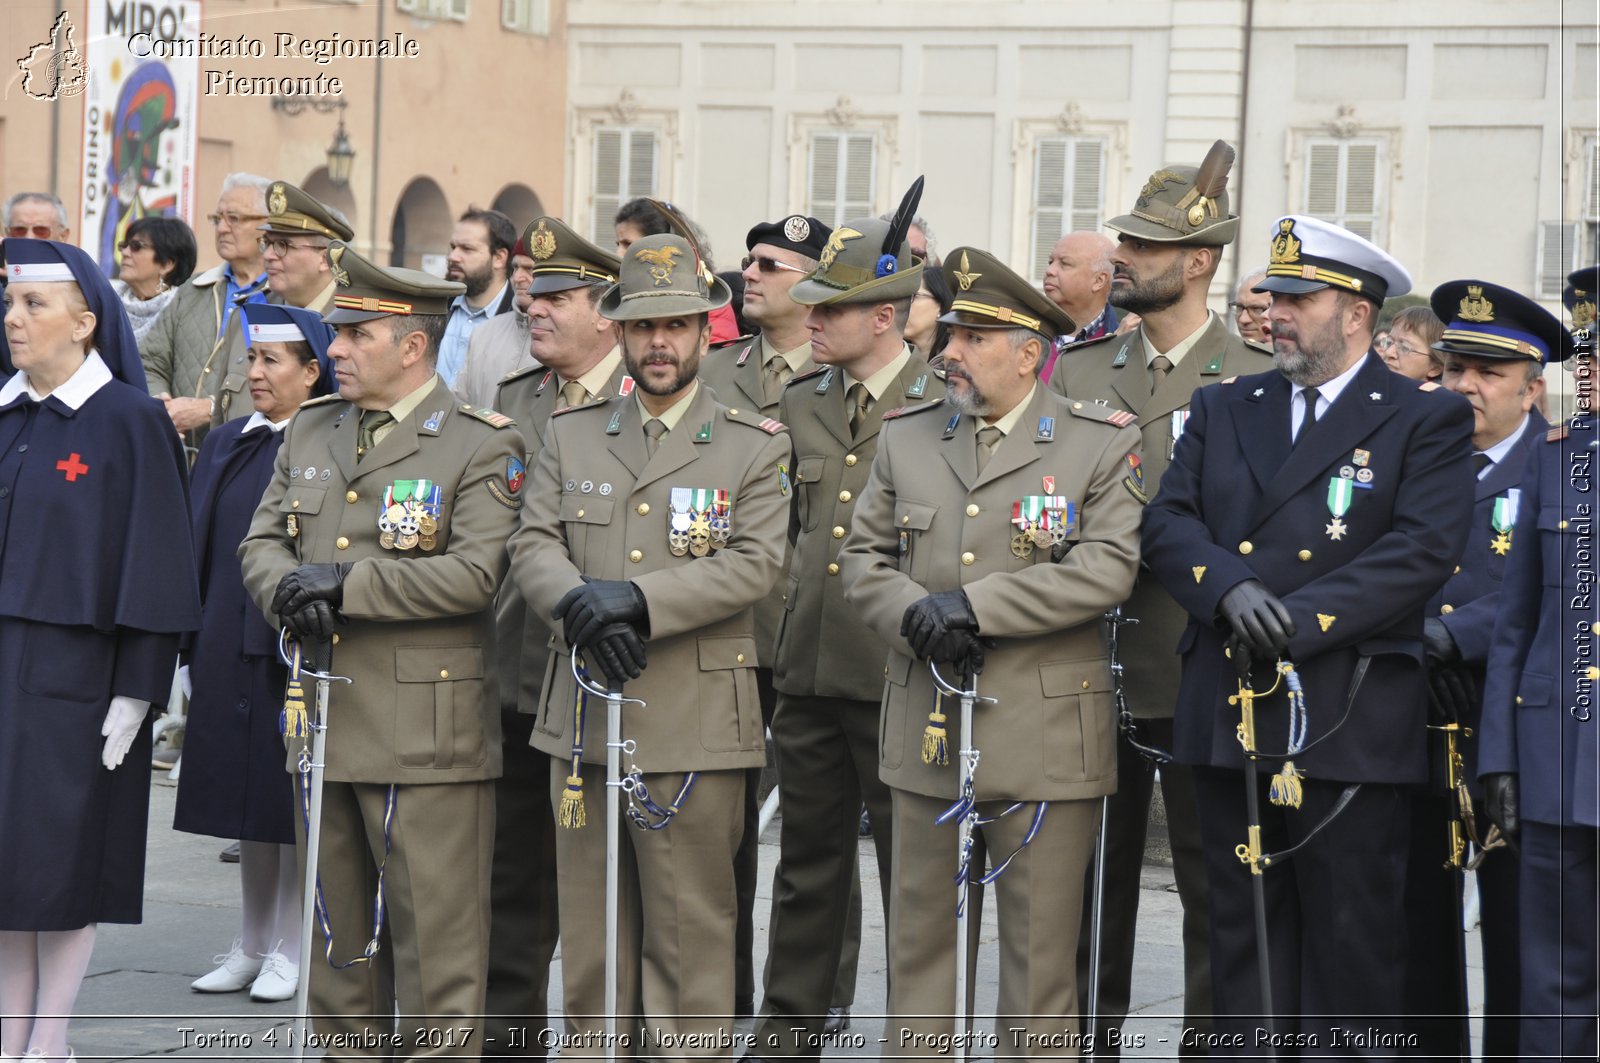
pixel 750 373
pixel 657 523
pixel 996 529
pixel 384 529
pixel 580 363
pixel 1168 251
pixel 829 665
pixel 294 241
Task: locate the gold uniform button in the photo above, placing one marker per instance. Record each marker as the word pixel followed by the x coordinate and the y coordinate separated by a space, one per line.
pixel 1446 610
pixel 1519 699
pixel 972 509
pixel 968 558
pixel 444 673
pixel 844 496
pixel 739 658
pixel 1246 546
pixel 1457 572
pixel 1086 684
pixel 342 543
pixel 351 496
pixel 643 510
pixel 580 514
pixel 733 413
pixel 903 520
pixel 838 532
pixel 1305 555
pixel 850 460
pixel 636 556
pixel 1077 405
pixel 833 569
pixel 336 638
pixel 295 504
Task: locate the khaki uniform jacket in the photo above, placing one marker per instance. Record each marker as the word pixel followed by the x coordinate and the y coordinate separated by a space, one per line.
pixel 1112 370
pixel 929 521
pixel 418 638
pixel 529 397
pixel 824 647
pixel 600 508
pixel 735 373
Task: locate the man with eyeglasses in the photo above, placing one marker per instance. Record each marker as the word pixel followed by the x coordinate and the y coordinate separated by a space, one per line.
pixel 1249 310
pixel 750 374
pixel 500 346
pixel 181 352
pixel 38 215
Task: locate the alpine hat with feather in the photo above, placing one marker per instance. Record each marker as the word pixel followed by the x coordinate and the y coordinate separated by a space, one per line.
pixel 1185 204
pixel 866 260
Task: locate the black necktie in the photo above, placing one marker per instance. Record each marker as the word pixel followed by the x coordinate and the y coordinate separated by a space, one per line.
pixel 1309 397
pixel 1480 462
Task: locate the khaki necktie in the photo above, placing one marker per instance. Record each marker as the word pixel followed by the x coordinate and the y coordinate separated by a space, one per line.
pixel 573 393
pixel 366 436
pixel 777 375
pixel 1160 366
pixel 988 439
pixel 653 431
pixel 860 406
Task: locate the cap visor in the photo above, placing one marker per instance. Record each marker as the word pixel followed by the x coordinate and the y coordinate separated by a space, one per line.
pixel 557 282
pixel 1289 285
pixel 340 316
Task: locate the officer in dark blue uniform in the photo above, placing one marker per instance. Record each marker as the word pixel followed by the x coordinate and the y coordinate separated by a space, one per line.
pixel 1495 347
pixel 1306 517
pixel 1539 755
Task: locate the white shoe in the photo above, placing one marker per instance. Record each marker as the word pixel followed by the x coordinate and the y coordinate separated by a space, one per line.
pixel 277 980
pixel 236 971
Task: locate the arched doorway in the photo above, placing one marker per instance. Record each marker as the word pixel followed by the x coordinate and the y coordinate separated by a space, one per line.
pixel 519 203
pixel 419 237
pixel 318 184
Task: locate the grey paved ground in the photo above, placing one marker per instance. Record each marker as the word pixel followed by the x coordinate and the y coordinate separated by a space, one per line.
pixel 137 1002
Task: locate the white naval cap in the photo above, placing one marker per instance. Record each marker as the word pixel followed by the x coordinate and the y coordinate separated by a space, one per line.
pixel 1309 254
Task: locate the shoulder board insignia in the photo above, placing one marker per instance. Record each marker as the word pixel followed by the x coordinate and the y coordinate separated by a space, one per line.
pixel 565 410
pixel 1558 433
pixel 1121 359
pixel 725 344
pixel 827 378
pixel 1230 380
pixel 625 387
pixel 548 373
pixel 772 426
pixel 809 374
pixel 322 400
pixel 769 425
pixel 1213 367
pixel 1258 348
pixel 918 388
pixel 1083 345
pixel 492 418
pixel 1093 411
pixel 1428 385
pixel 906 411
pixel 518 374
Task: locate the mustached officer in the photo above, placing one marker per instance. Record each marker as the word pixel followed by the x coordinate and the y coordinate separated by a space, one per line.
pixel 996 528
pixel 656 523
pixel 383 530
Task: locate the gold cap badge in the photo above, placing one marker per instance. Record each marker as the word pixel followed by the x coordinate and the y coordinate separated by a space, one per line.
pixel 544 242
pixel 1285 248
pixel 1475 307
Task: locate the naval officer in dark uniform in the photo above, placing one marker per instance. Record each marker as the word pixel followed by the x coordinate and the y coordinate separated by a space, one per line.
pixel 1306 518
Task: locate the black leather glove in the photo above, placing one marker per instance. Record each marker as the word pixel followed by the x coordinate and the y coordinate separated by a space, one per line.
pixel 965 650
pixel 1260 622
pixel 1438 643
pixel 1501 802
pixel 620 653
pixel 1452 690
pixel 309 583
pixel 928 622
pixel 313 621
pixel 598 604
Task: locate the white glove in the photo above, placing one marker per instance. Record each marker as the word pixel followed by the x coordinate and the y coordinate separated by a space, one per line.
pixel 123 721
pixel 185 684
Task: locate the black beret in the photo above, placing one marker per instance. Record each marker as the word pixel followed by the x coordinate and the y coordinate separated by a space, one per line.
pixel 797 233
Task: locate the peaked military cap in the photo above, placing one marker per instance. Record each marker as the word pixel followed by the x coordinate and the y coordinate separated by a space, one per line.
pixel 367 291
pixel 293 211
pixel 1185 204
pixel 866 260
pixel 1579 296
pixel 797 233
pixel 1484 320
pixel 563 260
pixel 663 276
pixel 1309 254
pixel 989 295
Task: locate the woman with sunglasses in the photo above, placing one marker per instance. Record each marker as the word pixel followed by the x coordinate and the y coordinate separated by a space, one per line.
pixel 155 257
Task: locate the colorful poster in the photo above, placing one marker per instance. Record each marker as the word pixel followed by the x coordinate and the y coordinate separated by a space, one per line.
pixel 140 132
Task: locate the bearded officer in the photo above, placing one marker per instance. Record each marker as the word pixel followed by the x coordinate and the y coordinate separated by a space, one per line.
pixel 1539 754
pixel 997 525
pixel 579 362
pixel 658 523
pixel 384 529
pixel 750 373
pixel 829 665
pixel 1306 517
pixel 1168 249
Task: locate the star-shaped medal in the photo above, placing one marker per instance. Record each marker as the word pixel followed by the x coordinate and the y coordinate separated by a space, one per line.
pixel 1260 392
pixel 1337 529
pixel 1375 396
pixel 1501 544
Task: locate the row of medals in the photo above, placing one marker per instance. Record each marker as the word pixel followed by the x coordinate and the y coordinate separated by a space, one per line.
pixel 699 534
pixel 1036 534
pixel 406 526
